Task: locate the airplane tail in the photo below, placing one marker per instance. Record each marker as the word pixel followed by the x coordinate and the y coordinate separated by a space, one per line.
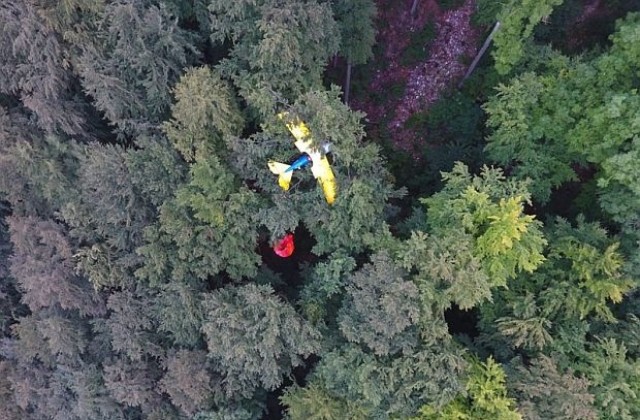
pixel 284 176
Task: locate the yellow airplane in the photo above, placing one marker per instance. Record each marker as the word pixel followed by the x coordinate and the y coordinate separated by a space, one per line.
pixel 320 167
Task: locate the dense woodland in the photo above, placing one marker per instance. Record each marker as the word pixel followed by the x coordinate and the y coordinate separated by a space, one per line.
pixel 495 276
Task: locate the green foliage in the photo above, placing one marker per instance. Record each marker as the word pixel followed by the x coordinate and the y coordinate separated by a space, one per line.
pixel 107 216
pixel 592 270
pixel 63 15
pixel 573 113
pixel 131 325
pixel 207 228
pixel 155 168
pixel 181 247
pixel 381 308
pixel 522 133
pixel 487 11
pixel 180 314
pixel 597 271
pixel 545 392
pixel 323 285
pixel 364 186
pixel 453 130
pixel 137 278
pixel 133 384
pixel 276 47
pixel 42 168
pixel 518 18
pixel 372 387
pixel 187 381
pixel 447 271
pixel 232 411
pixel 357 32
pixel 205 110
pixel 130 60
pixel 254 338
pixel 313 402
pixel 486 397
pixel 35 70
pixel 611 371
pixel 581 276
pixel 489 209
pixel 559 27
pixel 42 264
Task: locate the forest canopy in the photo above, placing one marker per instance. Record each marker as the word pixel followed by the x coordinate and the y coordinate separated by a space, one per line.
pixel 493 275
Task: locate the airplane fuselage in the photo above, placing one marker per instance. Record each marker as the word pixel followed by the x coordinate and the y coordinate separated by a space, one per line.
pixel 302 161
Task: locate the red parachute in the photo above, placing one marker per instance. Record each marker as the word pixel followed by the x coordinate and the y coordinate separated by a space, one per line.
pixel 284 248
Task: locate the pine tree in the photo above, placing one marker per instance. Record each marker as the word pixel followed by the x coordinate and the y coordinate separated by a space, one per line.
pixel 367 386
pixel 187 381
pixel 35 69
pixel 357 34
pixel 133 384
pixel 130 59
pixel 42 264
pixel 517 20
pixel 486 397
pixel 573 113
pixel 277 47
pixel 254 338
pixel 206 109
pixel 545 392
pixel 132 326
pixel 381 309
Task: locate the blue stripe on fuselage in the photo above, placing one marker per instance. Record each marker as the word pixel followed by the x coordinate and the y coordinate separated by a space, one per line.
pixel 300 162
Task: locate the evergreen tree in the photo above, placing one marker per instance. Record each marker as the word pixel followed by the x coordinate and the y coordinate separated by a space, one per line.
pixel 486 397
pixel 357 34
pixel 206 109
pixel 362 385
pixel 129 60
pixel 381 308
pixel 188 382
pixel 42 264
pixel 277 46
pixel 544 392
pixel 582 275
pixel 254 338
pixel 517 20
pixel 569 115
pixel 35 69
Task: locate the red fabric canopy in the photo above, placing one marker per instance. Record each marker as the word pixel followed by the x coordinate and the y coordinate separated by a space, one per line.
pixel 284 248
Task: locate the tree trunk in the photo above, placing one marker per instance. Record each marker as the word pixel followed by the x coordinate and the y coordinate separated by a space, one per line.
pixel 414 6
pixel 480 54
pixel 347 83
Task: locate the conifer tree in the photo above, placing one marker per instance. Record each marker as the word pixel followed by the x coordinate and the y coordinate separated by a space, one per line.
pixel 545 392
pixel 42 264
pixel 254 338
pixel 35 69
pixel 517 20
pixel 486 397
pixel 129 61
pixel 569 115
pixel 277 47
pixel 582 275
pixel 357 34
pixel 381 309
pixel 188 382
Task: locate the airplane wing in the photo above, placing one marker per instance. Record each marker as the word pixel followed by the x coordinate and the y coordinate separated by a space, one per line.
pixel 300 132
pixel 321 170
